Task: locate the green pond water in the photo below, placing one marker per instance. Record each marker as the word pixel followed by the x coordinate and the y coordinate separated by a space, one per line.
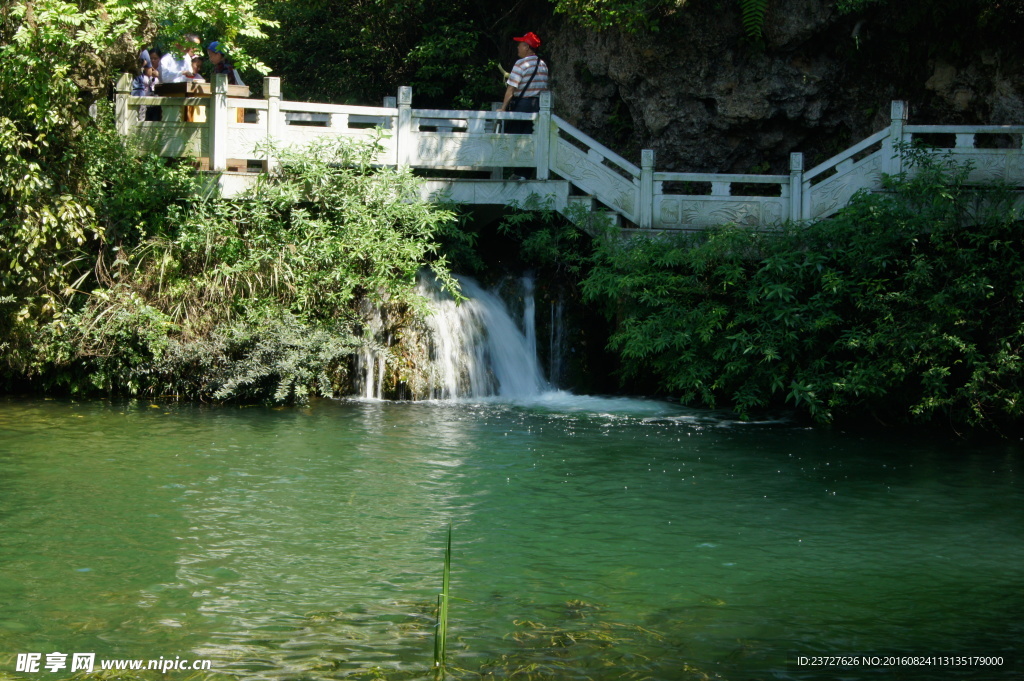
pixel 600 539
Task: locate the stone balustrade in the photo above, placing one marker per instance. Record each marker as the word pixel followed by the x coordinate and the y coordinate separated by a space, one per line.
pixel 565 162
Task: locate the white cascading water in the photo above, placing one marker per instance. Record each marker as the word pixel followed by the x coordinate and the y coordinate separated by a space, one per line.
pixel 478 350
pixel 370 364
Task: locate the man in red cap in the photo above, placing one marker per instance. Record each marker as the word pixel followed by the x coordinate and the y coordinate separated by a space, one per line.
pixel 529 77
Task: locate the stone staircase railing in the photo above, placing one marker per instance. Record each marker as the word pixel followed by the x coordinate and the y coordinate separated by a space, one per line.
pixel 569 166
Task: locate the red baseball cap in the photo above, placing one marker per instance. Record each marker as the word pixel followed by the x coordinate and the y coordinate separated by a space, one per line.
pixel 530 39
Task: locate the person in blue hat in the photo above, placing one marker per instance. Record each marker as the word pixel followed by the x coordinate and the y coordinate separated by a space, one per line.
pixel 221 64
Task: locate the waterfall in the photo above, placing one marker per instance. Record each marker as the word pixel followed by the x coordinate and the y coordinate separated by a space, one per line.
pixel 371 362
pixel 476 347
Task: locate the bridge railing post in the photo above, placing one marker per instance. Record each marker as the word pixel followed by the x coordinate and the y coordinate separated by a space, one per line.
pixel 542 137
pixel 217 122
pixel 275 123
pixel 898 119
pixel 404 139
pixel 122 116
pixel 796 187
pixel 646 202
pixel 389 103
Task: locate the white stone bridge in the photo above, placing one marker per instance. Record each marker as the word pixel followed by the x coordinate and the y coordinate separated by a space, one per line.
pixel 569 167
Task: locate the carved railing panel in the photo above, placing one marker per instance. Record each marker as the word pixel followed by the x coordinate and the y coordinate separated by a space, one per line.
pixel 991 165
pixel 172 139
pixel 705 199
pixel 831 194
pixel 698 212
pixel 245 139
pixel 466 151
pixel 497 193
pixel 594 178
pixel 594 168
pixel 993 151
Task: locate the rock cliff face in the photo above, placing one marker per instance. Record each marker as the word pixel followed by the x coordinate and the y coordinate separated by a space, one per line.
pixel 706 99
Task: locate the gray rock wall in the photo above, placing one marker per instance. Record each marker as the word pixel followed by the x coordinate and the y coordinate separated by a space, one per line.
pixel 706 99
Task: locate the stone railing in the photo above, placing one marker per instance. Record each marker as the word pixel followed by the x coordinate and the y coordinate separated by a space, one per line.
pixel 564 159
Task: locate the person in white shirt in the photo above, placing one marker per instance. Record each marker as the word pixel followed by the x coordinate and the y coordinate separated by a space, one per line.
pixel 178 69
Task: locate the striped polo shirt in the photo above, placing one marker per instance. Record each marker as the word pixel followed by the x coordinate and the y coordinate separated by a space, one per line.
pixel 521 73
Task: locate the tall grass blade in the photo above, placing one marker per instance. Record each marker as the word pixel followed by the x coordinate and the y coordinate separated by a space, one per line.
pixel 441 631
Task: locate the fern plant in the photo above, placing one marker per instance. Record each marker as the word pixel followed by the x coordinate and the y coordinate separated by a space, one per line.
pixel 752 15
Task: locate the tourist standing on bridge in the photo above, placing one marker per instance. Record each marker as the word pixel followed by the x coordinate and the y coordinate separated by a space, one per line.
pixel 175 68
pixel 529 78
pixel 144 85
pixel 221 64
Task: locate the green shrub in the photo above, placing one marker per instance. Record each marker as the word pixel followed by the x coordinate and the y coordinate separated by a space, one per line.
pixel 904 307
pixel 261 298
pixel 329 230
pixel 279 360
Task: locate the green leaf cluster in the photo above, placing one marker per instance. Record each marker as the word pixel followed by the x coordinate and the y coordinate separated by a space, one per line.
pixel 628 15
pixel 752 15
pixel 276 359
pixel 127 199
pixel 360 52
pixel 906 307
pixel 71 195
pixel 328 229
pixel 42 173
pixel 261 298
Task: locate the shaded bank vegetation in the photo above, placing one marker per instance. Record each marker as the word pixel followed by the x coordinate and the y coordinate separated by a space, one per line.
pixel 257 299
pixel 905 307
